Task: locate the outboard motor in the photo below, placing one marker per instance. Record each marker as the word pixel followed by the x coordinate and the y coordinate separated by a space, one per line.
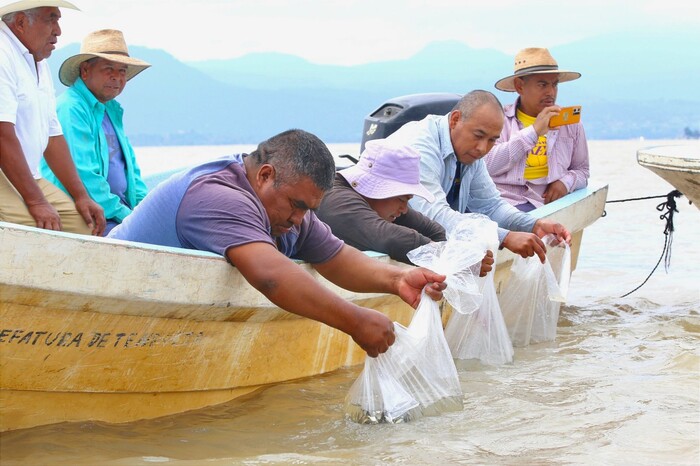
pixel 394 113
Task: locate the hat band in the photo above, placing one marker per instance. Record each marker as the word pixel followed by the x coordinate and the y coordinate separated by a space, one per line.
pixel 533 69
pixel 111 52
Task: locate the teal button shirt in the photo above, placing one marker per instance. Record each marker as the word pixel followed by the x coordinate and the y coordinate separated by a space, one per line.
pixel 81 115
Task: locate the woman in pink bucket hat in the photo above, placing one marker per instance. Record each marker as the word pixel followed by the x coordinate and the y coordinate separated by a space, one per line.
pixel 368 205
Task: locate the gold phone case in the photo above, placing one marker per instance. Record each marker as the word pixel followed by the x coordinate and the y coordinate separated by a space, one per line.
pixel 567 116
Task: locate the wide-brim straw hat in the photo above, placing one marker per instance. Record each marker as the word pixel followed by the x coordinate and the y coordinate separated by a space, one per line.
pixel 106 43
pixel 22 5
pixel 534 61
pixel 387 170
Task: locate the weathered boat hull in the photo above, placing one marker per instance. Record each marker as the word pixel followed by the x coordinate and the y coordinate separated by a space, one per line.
pixel 678 165
pixel 98 329
pixel 79 365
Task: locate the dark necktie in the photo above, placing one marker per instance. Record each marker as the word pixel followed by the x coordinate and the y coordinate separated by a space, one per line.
pixel 453 194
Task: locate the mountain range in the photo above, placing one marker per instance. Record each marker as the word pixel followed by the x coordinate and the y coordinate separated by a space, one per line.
pixel 635 84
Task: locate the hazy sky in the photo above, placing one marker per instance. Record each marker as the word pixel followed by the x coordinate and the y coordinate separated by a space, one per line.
pixel 348 32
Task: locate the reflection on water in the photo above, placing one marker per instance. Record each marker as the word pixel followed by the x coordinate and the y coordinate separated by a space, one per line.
pixel 620 385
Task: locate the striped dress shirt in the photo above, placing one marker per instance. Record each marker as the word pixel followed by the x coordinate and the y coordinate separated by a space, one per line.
pixel 567 158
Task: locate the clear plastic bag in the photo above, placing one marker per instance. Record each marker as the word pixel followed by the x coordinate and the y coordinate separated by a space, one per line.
pixel 377 396
pixel 482 334
pixel 460 262
pixel 531 301
pixel 415 377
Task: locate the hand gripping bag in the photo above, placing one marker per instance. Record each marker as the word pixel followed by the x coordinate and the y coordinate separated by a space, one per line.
pixel 415 377
pixel 482 333
pixel 558 273
pixel 531 301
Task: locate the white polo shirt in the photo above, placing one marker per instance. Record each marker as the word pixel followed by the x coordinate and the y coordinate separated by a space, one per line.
pixel 27 98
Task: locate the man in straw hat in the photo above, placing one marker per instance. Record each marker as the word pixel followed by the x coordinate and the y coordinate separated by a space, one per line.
pixel 29 128
pixel 533 164
pixel 257 210
pixel 451 167
pixel 93 127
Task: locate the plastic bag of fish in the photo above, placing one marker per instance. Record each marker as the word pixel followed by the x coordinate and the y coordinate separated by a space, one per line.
pixel 479 332
pixel 415 377
pixel 531 302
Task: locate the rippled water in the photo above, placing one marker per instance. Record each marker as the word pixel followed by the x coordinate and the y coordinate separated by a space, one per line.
pixel 620 385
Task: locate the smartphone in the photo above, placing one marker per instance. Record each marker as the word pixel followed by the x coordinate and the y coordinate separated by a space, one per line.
pixel 567 116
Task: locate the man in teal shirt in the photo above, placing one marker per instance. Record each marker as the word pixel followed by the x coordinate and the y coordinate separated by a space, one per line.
pixel 93 127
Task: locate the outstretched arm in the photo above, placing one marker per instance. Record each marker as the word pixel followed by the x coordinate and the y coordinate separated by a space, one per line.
pixel 293 289
pixel 529 244
pixel 354 270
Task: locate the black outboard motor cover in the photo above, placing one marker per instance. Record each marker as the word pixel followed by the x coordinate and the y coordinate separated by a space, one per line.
pixel 394 113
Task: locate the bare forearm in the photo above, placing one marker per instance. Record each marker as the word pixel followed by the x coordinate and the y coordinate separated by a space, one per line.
pixel 291 288
pixel 353 270
pixel 14 166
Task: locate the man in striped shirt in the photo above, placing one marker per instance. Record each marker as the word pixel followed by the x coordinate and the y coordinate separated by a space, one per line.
pixel 532 163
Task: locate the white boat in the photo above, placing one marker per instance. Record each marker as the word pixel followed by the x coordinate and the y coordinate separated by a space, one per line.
pixel 678 164
pixel 106 330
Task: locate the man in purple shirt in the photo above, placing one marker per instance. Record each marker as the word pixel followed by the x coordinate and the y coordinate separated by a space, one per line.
pixel 257 210
pixel 532 163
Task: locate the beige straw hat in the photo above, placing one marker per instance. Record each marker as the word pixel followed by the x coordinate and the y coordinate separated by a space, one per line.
pixel 106 43
pixel 534 61
pixel 11 7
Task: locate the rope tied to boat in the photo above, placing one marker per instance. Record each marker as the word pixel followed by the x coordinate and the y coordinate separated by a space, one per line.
pixel 668 208
pixel 643 199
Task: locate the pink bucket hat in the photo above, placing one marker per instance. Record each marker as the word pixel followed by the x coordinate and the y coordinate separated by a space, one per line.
pixel 385 171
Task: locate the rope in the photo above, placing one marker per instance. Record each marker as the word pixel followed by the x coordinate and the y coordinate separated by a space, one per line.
pixel 605 214
pixel 669 207
pixel 637 199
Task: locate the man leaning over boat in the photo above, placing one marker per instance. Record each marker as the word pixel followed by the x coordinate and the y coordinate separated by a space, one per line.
pixel 451 147
pixel 29 128
pixel 257 210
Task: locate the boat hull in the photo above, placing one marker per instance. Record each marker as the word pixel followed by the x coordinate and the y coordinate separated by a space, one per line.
pixel 80 365
pixel 103 330
pixel 678 165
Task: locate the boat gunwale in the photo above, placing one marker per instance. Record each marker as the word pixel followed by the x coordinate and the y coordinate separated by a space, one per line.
pixel 223 294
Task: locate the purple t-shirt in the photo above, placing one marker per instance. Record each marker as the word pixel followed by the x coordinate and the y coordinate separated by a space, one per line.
pixel 213 207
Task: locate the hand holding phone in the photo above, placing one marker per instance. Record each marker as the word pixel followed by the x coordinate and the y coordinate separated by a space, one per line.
pixel 567 116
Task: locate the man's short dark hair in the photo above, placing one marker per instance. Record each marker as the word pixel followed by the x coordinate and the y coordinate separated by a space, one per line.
pixel 295 154
pixel 475 99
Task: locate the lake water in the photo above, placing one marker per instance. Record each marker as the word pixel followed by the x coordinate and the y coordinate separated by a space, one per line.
pixel 620 385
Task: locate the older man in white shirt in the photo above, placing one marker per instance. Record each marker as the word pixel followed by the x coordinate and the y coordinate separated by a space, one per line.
pixel 29 128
